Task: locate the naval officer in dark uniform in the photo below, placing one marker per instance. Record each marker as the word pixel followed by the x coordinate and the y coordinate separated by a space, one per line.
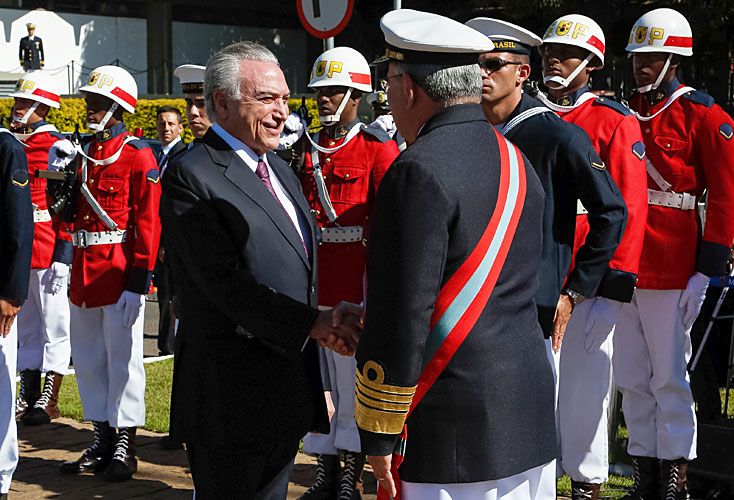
pixel 30 50
pixel 568 167
pixel 452 336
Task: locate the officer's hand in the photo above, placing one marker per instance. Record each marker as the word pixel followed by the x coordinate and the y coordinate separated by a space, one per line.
pixel 691 300
pixel 560 320
pixel 381 467
pixel 130 304
pixel 8 311
pixel 161 254
pixel 600 322
pixel 54 279
pixel 338 329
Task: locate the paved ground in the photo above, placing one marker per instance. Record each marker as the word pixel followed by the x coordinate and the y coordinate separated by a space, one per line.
pixel 161 474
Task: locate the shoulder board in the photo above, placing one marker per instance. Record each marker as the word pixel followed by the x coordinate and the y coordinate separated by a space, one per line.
pixel 139 144
pixel 611 103
pixel 376 132
pixel 699 98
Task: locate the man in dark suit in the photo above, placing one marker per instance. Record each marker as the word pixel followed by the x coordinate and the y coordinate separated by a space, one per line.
pixel 169 127
pixel 30 50
pixel 246 385
pixel 452 335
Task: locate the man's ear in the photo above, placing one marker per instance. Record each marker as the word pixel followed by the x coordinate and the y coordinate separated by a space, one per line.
pixel 410 90
pixel 523 73
pixel 221 104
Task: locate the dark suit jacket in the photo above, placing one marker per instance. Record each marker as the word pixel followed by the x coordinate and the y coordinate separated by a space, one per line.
pixel 489 415
pixel 30 53
pixel 246 294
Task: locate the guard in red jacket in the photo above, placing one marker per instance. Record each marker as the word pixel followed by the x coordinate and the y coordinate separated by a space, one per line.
pixel 116 231
pixel 573 47
pixel 690 151
pixel 43 322
pixel 343 167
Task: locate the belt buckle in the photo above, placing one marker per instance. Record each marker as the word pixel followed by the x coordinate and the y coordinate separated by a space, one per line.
pixel 81 238
pixel 688 202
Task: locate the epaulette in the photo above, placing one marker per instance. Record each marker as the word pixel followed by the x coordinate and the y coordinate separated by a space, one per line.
pixel 611 103
pixel 376 132
pixel 700 98
pixel 139 144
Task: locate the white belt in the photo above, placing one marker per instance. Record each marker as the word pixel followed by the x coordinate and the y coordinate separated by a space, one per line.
pixel 84 239
pixel 348 234
pixel 682 201
pixel 41 215
pixel 580 208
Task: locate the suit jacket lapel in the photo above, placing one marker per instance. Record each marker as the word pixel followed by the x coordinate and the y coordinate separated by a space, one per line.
pixel 239 174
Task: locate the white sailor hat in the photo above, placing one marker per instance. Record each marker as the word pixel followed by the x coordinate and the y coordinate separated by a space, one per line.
pixel 191 77
pixel 507 37
pixel 419 37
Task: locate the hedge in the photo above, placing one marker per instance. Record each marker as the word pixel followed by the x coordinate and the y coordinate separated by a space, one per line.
pixel 73 113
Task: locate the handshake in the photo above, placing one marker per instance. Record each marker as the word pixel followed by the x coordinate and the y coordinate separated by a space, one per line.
pixel 339 328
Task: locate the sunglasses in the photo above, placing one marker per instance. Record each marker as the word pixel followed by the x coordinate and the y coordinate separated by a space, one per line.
pixel 494 64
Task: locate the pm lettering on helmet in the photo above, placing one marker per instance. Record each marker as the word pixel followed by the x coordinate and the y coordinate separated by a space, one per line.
pixel 333 67
pixel 100 80
pixel 580 30
pixel 656 34
pixel 24 85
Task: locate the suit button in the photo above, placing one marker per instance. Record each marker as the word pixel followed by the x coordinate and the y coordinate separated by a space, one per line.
pixel 328 160
pixel 647 130
pixel 346 176
pixel 313 289
pixel 331 143
pixel 99 148
pixel 318 212
pixel 85 218
pixel 112 188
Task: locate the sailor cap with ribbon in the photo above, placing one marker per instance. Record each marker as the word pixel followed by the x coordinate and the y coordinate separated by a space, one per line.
pixel 191 77
pixel 419 37
pixel 507 37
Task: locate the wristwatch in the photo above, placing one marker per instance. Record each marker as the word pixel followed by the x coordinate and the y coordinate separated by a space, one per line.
pixel 576 297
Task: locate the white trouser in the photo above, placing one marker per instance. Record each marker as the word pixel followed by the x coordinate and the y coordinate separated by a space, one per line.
pixel 652 349
pixel 583 402
pixel 43 328
pixel 343 434
pixel 108 359
pixel 8 431
pixel 554 358
pixel 538 483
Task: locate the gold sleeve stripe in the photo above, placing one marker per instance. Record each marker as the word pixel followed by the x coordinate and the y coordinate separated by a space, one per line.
pixel 377 421
pixel 379 407
pixel 382 396
pixel 382 405
pixel 377 382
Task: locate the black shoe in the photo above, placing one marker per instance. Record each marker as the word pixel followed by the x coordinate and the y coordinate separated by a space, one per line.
pixel 351 475
pixel 47 407
pixel 584 491
pixel 30 391
pixel 673 475
pixel 326 484
pixel 123 464
pixel 98 456
pixel 168 443
pixel 647 479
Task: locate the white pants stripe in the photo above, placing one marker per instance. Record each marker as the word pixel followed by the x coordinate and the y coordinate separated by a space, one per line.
pixel 43 328
pixel 538 483
pixel 343 435
pixel 108 359
pixel 583 402
pixel 652 349
pixel 8 431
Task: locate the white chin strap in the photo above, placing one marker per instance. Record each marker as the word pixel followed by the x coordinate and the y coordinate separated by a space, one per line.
pixel 329 120
pixel 562 83
pixel 99 127
pixel 24 119
pixel 647 88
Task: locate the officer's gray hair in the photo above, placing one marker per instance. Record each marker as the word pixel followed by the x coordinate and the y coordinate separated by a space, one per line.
pixel 446 85
pixel 223 70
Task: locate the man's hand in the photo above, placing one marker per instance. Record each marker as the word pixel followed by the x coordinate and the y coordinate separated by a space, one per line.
pixel 8 311
pixel 560 320
pixel 330 409
pixel 339 328
pixel 381 468
pixel 161 254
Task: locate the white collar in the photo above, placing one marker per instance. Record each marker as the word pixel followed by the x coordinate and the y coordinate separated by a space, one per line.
pixel 243 150
pixel 167 148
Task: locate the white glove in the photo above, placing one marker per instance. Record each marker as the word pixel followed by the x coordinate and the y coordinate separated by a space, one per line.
pixel 600 322
pixel 132 302
pixel 54 279
pixel 292 131
pixel 61 154
pixel 692 298
pixel 386 123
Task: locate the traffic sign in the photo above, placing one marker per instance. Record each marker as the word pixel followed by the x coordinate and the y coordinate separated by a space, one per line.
pixel 324 18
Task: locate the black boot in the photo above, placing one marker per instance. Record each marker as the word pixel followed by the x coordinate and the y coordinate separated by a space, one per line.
pixel 98 456
pixel 326 484
pixel 674 478
pixel 46 408
pixel 30 391
pixel 647 479
pixel 351 474
pixel 584 491
pixel 124 464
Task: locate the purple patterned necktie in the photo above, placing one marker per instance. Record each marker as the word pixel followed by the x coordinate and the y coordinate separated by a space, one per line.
pixel 262 172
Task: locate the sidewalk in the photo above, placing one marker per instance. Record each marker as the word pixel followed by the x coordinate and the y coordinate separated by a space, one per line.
pixel 161 474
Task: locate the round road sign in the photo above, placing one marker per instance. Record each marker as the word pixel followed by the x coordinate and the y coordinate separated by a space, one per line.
pixel 324 18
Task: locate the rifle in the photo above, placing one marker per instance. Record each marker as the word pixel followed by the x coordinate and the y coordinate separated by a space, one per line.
pixel 62 184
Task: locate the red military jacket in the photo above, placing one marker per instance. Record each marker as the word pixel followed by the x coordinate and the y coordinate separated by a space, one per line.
pixel 51 242
pixel 615 134
pixel 690 144
pixel 352 175
pixel 129 191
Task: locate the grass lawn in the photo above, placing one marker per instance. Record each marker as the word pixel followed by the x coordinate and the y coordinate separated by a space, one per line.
pixel 158 377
